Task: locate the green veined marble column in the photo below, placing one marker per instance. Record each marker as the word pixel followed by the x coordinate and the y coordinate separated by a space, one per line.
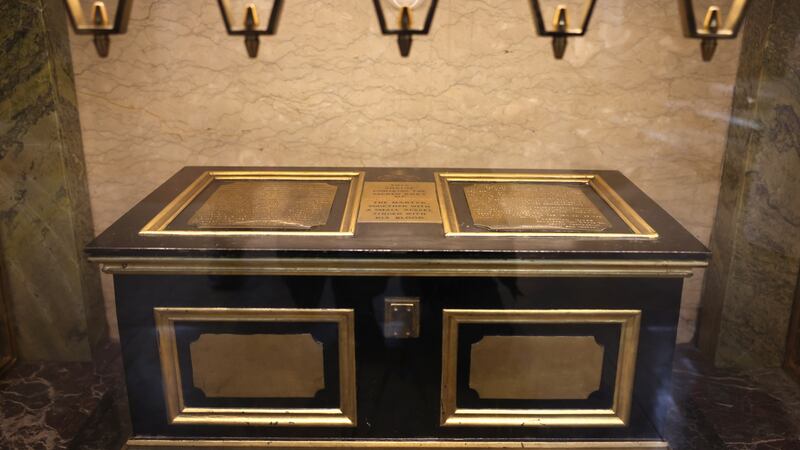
pixel 45 217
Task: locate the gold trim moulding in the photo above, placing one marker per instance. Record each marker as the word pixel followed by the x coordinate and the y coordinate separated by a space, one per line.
pixel 616 416
pixel 180 414
pixel 163 444
pixel 405 267
pixel 158 225
pixel 640 229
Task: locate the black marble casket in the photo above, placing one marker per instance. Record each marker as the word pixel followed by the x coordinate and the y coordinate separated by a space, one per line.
pixel 397 308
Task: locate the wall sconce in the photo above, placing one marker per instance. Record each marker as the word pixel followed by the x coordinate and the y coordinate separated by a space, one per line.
pixel 251 23
pixel 405 20
pixel 711 31
pixel 561 29
pixel 99 24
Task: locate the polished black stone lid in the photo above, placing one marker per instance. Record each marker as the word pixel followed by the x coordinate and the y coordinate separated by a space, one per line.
pixel 608 217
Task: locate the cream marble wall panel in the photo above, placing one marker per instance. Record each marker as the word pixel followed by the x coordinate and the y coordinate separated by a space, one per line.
pixel 482 90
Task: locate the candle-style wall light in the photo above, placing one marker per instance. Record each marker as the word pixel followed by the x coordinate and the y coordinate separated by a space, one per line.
pixel 98 22
pixel 251 27
pixel 406 15
pixel 561 29
pixel 713 27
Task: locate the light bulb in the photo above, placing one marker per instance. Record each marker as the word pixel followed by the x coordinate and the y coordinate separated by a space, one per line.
pixel 410 4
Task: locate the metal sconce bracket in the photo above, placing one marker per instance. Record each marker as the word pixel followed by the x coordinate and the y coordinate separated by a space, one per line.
pixel 405 32
pixel 251 23
pixel 711 31
pixel 99 25
pixel 561 29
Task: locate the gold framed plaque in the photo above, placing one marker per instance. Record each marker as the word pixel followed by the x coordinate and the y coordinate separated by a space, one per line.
pixel 301 380
pixel 531 204
pixel 242 203
pixel 520 385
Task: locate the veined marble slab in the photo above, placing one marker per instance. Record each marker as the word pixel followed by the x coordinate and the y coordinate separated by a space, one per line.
pixel 481 90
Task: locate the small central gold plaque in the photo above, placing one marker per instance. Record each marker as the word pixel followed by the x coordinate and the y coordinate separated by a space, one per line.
pixel 528 206
pixel 394 201
pixel 269 204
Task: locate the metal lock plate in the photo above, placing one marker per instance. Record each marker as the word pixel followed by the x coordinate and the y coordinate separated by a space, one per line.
pixel 401 318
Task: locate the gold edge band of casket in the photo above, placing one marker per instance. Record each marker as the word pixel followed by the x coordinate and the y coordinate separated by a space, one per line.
pixel 654 268
pixel 204 444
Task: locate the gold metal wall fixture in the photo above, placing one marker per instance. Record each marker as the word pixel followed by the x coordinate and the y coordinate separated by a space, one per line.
pixel 251 24
pixel 99 24
pixel 639 228
pixel 180 414
pixel 405 20
pixel 713 27
pixel 617 415
pixel 159 224
pixel 561 29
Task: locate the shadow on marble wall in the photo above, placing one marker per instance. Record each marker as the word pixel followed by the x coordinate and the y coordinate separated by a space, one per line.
pixel 753 276
pixel 45 218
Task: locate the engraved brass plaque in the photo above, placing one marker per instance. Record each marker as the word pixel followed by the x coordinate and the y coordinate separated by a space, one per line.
pixel 522 204
pixel 257 365
pixel 528 206
pixel 395 201
pixel 268 204
pixel 262 203
pixel 536 367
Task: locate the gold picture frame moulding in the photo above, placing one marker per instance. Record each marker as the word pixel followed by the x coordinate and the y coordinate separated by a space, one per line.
pixel 616 416
pixel 393 444
pixel 640 229
pixel 180 414
pixel 158 225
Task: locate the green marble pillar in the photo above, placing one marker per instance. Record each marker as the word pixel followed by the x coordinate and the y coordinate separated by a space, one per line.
pixel 45 219
pixel 7 351
pixel 750 284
